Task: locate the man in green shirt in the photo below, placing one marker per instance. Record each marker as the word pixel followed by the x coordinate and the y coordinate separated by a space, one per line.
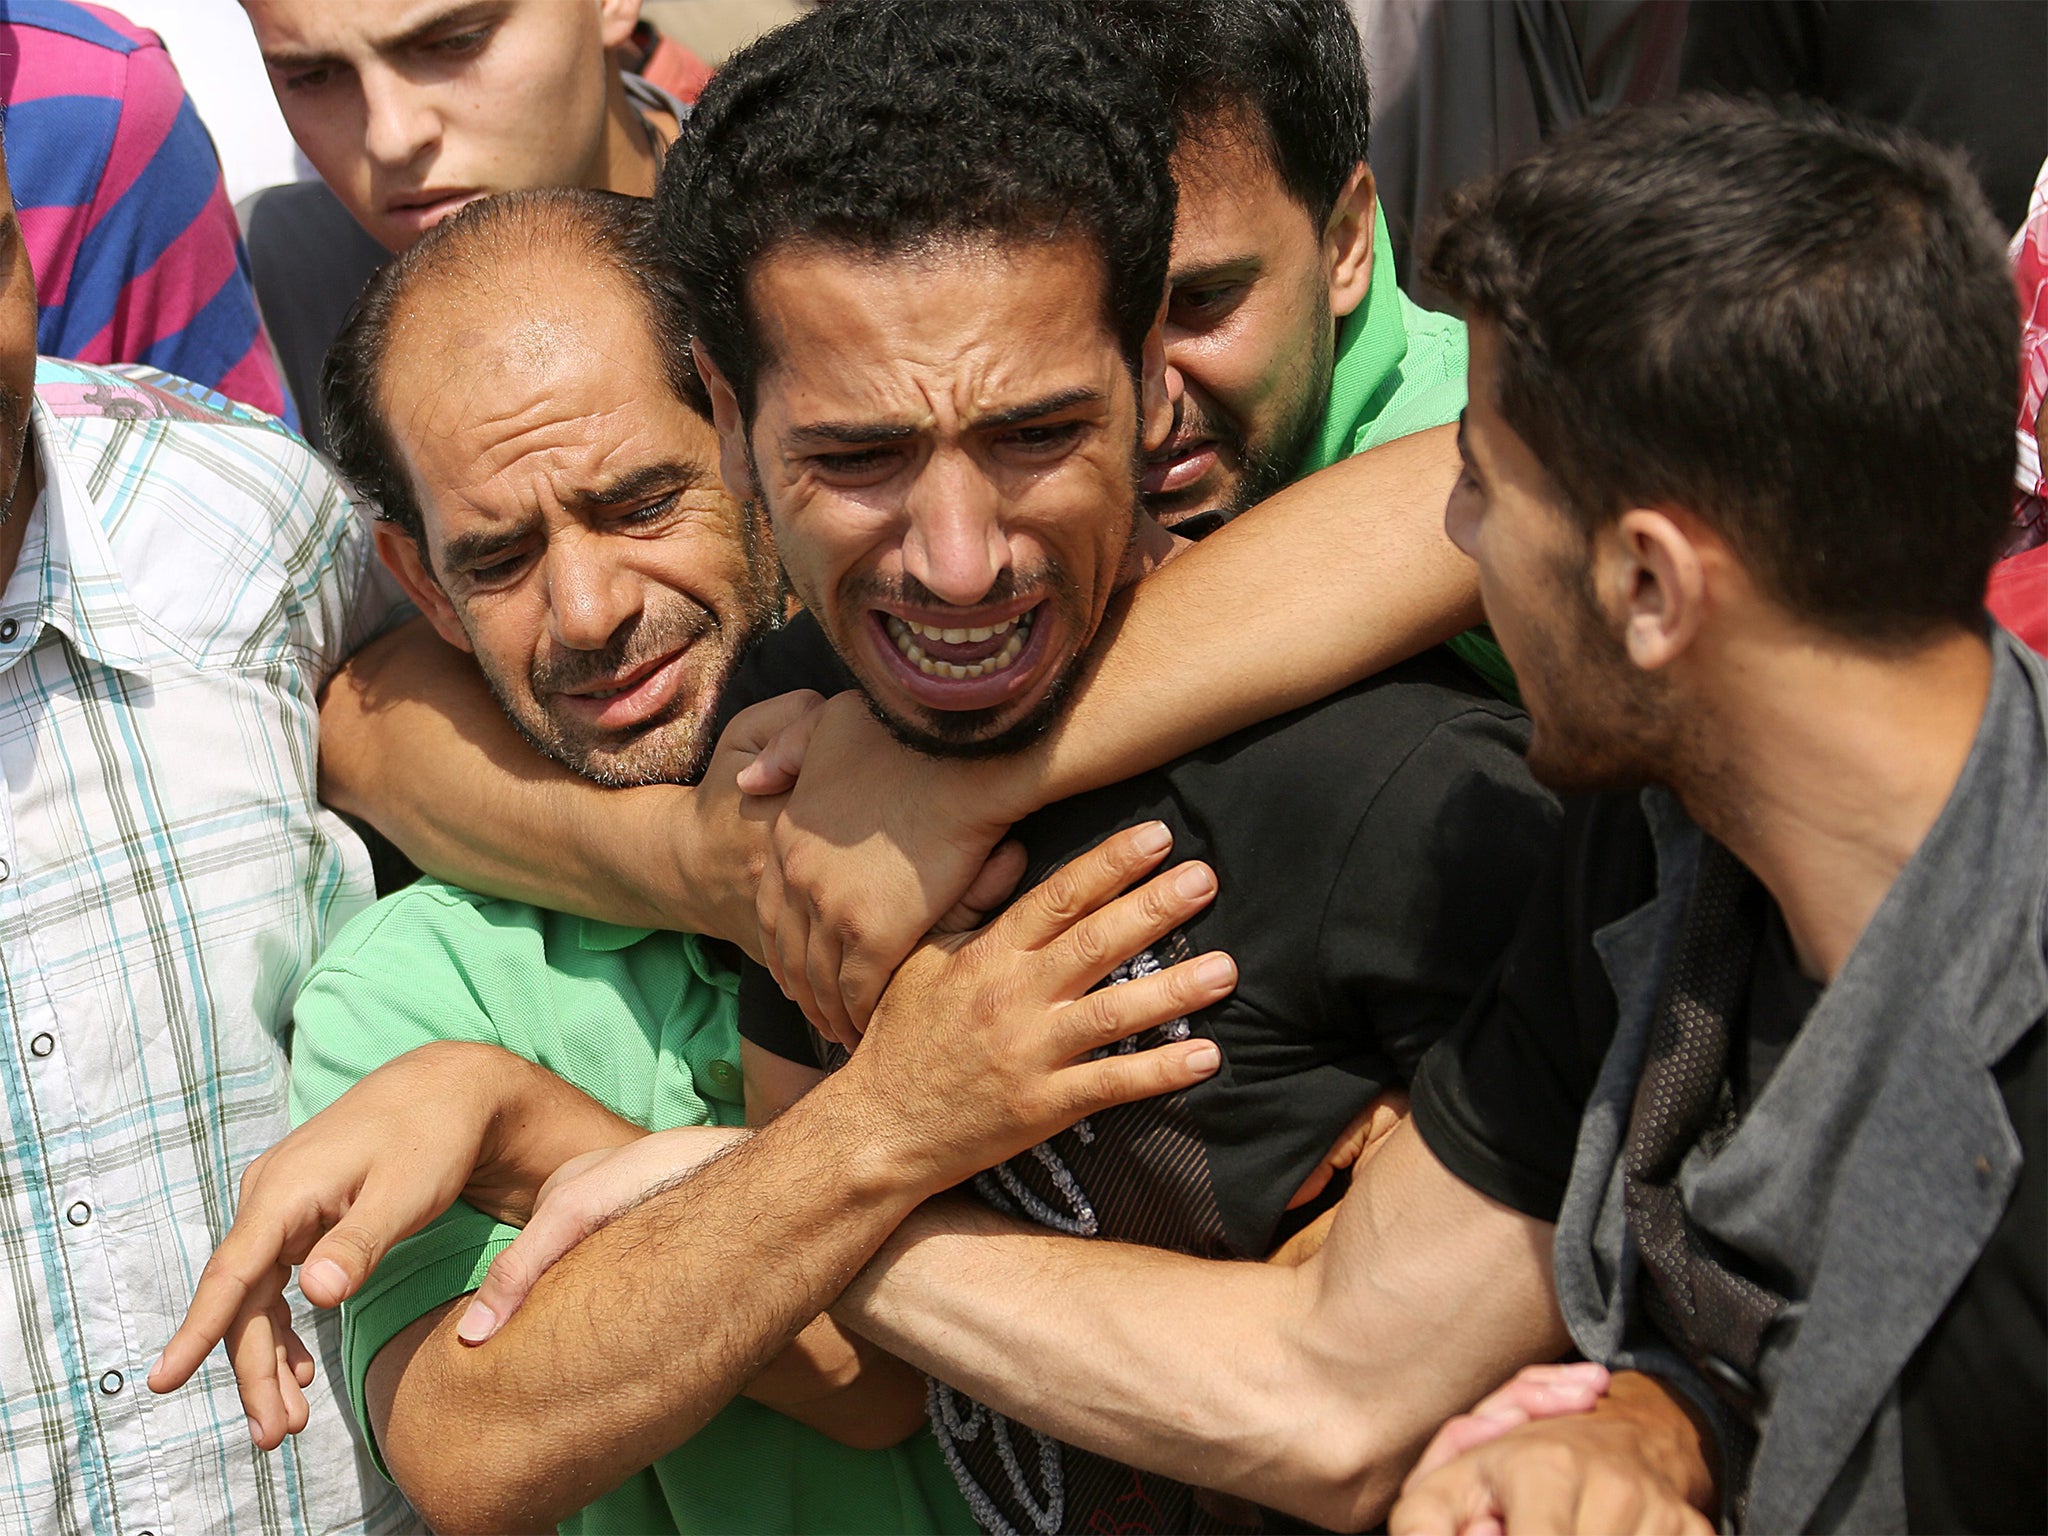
pixel 1286 323
pixel 553 506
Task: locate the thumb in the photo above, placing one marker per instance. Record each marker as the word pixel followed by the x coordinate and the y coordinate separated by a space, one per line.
pixel 555 1229
pixel 778 733
pixel 336 1266
pixel 991 888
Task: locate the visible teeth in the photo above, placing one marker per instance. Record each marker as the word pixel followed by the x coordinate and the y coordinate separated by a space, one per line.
pixel 901 631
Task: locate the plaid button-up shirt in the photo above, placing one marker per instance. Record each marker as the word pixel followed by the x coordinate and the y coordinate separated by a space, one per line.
pixel 190 576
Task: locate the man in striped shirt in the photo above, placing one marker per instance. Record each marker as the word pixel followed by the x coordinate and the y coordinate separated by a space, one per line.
pixel 178 575
pixel 119 196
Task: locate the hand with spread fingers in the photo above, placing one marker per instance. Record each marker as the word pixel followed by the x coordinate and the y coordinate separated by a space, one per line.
pixel 858 873
pixel 370 1170
pixel 1552 1453
pixel 982 1047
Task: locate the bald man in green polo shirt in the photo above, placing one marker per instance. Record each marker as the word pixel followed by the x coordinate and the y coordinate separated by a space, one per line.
pixel 1285 317
pixel 510 394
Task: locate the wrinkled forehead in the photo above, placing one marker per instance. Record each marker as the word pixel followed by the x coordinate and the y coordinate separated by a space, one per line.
pixel 973 322
pixel 551 370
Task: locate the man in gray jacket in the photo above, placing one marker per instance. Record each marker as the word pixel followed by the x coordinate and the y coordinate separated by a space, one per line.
pixel 1769 1048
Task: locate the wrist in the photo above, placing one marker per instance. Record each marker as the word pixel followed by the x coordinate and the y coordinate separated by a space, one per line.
pixel 1674 1433
pixel 879 1159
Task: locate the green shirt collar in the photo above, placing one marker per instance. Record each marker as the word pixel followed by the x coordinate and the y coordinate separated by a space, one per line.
pixel 1371 342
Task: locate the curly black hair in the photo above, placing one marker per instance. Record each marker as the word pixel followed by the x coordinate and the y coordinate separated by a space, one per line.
pixel 885 126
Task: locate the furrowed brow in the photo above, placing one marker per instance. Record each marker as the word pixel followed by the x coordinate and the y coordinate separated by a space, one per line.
pixel 676 476
pixel 849 432
pixel 468 550
pixel 1051 405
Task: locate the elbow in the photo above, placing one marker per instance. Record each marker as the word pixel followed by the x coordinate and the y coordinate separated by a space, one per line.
pixel 458 1491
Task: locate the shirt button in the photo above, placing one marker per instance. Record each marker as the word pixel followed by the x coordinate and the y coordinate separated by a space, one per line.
pixel 79 1214
pixel 9 628
pixel 725 1074
pixel 42 1045
pixel 6 869
pixel 111 1383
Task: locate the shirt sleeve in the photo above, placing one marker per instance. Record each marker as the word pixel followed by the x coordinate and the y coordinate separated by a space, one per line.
pixel 1498 1100
pixel 1433 885
pixel 161 276
pixel 340 592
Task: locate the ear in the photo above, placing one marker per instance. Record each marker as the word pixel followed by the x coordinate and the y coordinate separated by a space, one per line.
pixel 616 20
pixel 401 556
pixel 1347 242
pixel 1158 386
pixel 735 464
pixel 1650 574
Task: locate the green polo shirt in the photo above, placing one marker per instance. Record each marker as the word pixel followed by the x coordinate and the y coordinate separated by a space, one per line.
pixel 1400 369
pixel 644 1023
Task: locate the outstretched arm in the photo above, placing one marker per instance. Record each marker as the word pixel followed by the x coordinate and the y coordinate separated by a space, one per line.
pixel 963 1068
pixel 1309 1388
pixel 1333 579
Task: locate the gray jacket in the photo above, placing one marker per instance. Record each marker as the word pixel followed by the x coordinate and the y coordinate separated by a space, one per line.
pixel 1878 1160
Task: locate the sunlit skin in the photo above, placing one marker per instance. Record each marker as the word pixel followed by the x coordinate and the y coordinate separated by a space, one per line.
pixel 949 439
pixel 20 478
pixel 1256 291
pixel 409 109
pixel 581 543
pixel 1597 721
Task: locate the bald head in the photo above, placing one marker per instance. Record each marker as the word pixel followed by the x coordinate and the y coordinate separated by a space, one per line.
pixel 515 395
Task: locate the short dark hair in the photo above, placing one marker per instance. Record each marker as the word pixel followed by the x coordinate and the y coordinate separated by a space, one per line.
pixel 890 126
pixel 1798 328
pixel 1292 70
pixel 610 229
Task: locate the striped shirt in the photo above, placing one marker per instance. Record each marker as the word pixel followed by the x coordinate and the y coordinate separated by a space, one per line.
pixel 190 574
pixel 134 244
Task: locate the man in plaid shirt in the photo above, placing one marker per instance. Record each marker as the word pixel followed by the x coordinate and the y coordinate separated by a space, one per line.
pixel 178 575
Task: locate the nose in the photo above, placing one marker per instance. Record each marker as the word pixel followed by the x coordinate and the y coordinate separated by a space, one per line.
pixel 591 595
pixel 955 543
pixel 399 118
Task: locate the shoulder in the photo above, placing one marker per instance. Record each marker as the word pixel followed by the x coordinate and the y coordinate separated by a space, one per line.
pixel 220 519
pixel 431 926
pixel 67 47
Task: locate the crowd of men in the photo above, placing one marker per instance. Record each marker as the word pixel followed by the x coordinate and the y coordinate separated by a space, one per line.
pixel 1082 872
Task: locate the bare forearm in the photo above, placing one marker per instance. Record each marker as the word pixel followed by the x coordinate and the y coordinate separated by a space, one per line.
pixel 1335 578
pixel 647 1328
pixel 412 742
pixel 1312 1389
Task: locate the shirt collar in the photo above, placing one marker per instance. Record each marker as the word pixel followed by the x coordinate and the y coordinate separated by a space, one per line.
pixel 1372 341
pixel 78 587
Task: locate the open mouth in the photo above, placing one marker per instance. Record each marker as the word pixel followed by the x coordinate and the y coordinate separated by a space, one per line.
pixel 964 666
pixel 960 653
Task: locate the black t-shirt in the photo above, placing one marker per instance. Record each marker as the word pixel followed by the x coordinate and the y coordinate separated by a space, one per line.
pixel 1499 1103
pixel 1371 853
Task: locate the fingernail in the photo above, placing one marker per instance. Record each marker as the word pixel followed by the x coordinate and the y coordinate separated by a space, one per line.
pixel 1195 880
pixel 1203 1056
pixel 1153 838
pixel 1215 970
pixel 477 1324
pixel 256 1433
pixel 330 1275
pixel 157 1367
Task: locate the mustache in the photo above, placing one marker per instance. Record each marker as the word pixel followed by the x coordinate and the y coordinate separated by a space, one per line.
pixel 868 590
pixel 649 636
pixel 1192 424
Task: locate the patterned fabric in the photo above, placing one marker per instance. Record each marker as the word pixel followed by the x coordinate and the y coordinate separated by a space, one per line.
pixel 190 575
pixel 136 253
pixel 2030 275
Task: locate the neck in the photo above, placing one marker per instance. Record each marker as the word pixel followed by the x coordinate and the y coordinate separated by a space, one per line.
pixel 1827 768
pixel 630 153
